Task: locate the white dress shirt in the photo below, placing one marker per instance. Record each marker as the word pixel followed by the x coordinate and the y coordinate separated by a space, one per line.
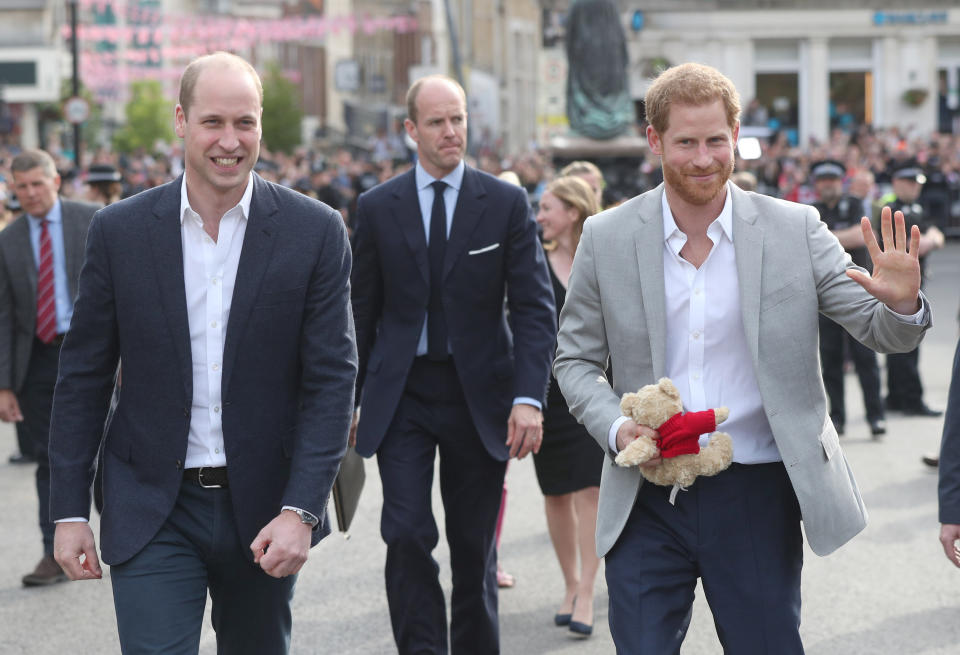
pixel 707 355
pixel 209 273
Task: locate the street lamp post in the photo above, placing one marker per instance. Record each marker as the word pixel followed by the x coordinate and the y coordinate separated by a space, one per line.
pixel 75 81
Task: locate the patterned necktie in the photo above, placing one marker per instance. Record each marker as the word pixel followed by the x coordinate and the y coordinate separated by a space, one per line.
pixel 436 323
pixel 46 305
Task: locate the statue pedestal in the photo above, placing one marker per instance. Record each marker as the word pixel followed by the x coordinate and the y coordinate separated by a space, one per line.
pixel 619 159
pixel 574 146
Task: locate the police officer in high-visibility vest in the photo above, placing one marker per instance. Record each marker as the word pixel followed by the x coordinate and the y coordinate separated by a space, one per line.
pixel 842 213
pixel 904 389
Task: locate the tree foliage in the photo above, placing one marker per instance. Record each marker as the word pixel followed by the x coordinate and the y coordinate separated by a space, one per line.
pixel 149 118
pixel 282 113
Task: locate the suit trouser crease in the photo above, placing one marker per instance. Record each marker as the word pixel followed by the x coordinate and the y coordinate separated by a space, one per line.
pixel 36 403
pixel 160 593
pixel 433 416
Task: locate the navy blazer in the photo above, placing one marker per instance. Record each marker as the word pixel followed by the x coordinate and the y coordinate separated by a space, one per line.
pixel 492 251
pixel 949 469
pixel 289 367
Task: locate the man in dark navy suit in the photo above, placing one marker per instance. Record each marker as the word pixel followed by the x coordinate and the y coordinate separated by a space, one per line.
pixel 227 298
pixel 436 250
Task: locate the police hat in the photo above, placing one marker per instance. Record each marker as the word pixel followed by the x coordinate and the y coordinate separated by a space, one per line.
pixel 102 173
pixel 909 170
pixel 827 168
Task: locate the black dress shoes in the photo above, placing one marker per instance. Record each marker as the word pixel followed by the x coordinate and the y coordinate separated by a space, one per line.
pixel 878 427
pixel 922 410
pixel 20 458
pixel 933 461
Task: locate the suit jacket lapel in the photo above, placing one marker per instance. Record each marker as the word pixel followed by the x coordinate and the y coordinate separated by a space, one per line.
pixel 167 246
pixel 466 217
pixel 406 211
pixel 258 243
pixel 25 260
pixel 648 240
pixel 748 246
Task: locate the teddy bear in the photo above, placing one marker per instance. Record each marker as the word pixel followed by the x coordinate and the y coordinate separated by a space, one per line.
pixel 659 406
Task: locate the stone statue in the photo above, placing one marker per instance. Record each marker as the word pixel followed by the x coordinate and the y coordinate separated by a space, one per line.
pixel 598 101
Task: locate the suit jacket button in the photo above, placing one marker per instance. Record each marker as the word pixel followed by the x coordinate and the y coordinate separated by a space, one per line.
pixel 179 465
pixel 186 411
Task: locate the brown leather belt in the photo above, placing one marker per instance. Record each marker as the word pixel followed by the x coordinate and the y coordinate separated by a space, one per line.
pixel 208 477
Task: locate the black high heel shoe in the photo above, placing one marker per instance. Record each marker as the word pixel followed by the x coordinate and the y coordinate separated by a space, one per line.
pixel 561 620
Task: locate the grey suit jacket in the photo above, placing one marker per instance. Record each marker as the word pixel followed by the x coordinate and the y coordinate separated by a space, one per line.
pixel 790 268
pixel 18 286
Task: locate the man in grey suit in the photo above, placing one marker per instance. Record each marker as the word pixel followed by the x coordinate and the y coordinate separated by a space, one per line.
pixel 40 257
pixel 228 300
pixel 720 289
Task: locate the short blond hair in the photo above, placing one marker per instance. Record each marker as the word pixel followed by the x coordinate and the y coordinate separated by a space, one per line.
pixel 574 192
pixel 693 85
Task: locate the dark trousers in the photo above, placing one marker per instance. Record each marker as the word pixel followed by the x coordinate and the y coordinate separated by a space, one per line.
pixel 36 402
pixel 160 593
pixel 833 341
pixel 738 531
pixel 433 416
pixel 904 389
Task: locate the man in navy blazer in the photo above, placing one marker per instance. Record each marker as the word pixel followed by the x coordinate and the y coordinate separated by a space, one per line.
pixel 445 367
pixel 227 299
pixel 28 355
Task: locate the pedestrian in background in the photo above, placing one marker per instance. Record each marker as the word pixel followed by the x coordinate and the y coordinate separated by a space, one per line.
pixel 904 387
pixel 227 298
pixel 40 257
pixel 842 214
pixel 436 251
pixel 569 462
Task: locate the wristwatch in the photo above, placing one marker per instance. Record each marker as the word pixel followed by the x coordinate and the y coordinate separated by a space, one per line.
pixel 305 516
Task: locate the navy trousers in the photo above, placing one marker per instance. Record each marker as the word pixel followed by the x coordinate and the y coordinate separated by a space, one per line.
pixel 160 593
pixel 36 402
pixel 433 416
pixel 833 339
pixel 739 532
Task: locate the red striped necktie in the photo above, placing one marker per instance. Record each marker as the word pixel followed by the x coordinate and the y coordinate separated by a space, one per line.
pixel 46 301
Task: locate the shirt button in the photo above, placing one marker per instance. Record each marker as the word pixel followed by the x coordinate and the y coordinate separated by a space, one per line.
pixel 213 324
pixel 216 409
pixel 216 450
pixel 215 367
pixel 696 334
pixel 695 376
pixel 213 281
pixel 697 291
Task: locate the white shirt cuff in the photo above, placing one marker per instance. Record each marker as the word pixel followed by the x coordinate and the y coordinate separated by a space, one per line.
pixel 523 400
pixel 72 519
pixel 913 319
pixel 612 434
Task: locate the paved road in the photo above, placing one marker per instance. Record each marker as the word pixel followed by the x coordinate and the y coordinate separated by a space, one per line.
pixel 889 591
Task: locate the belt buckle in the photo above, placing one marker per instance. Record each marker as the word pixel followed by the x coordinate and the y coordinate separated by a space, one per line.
pixel 200 480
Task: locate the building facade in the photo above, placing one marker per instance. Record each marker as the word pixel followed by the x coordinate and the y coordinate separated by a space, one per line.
pixel 812 66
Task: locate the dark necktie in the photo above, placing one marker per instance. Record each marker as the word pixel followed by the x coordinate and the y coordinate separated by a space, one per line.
pixel 436 323
pixel 46 304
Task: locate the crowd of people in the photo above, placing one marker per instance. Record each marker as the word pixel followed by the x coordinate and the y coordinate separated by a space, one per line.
pixel 428 308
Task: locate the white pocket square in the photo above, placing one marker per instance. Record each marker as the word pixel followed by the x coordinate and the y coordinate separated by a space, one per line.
pixel 492 246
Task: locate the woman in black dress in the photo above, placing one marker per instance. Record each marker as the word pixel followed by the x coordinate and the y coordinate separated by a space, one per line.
pixel 569 463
